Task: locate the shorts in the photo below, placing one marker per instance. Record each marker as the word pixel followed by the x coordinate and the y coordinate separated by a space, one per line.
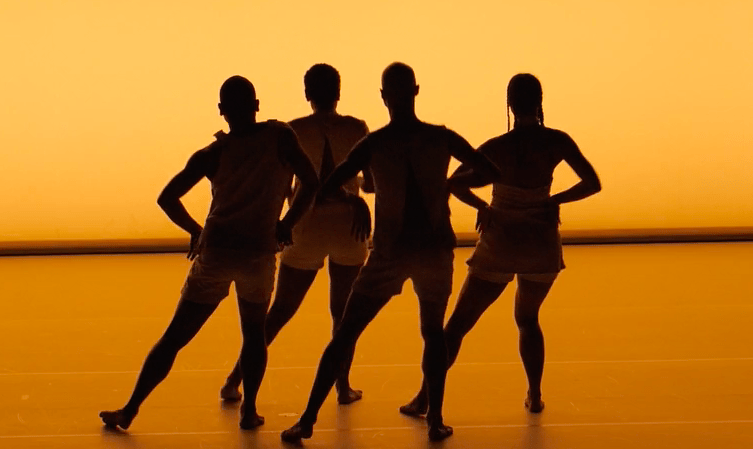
pixel 430 271
pixel 208 280
pixel 325 231
pixel 503 277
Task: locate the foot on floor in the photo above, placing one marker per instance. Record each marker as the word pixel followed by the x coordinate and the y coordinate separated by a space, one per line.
pixel 298 431
pixel 230 393
pixel 416 407
pixel 117 418
pixel 534 404
pixel 350 396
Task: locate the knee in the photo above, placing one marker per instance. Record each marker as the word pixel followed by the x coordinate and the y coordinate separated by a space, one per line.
pixel 432 332
pixel 526 321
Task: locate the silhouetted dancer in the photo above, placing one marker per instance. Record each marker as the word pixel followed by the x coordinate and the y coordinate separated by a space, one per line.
pixel 408 160
pixel 519 231
pixel 328 229
pixel 250 170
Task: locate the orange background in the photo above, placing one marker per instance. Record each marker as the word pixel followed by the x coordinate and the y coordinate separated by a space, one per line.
pixel 103 102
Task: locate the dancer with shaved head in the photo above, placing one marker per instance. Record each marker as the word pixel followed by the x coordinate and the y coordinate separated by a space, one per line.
pixel 327 231
pixel 413 239
pixel 250 169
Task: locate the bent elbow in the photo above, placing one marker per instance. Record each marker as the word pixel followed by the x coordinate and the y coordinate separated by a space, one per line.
pixel 596 186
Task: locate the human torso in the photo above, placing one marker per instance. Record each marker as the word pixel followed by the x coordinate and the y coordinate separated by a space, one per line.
pixel 337 133
pixel 523 230
pixel 409 168
pixel 248 190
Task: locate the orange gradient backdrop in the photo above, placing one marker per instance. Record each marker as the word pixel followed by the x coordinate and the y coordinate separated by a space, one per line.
pixel 102 102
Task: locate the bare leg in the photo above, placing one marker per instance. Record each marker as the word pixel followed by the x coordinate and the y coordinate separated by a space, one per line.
pixel 434 363
pixel 188 319
pixel 292 286
pixel 528 300
pixel 475 297
pixel 359 311
pixel 253 358
pixel 341 281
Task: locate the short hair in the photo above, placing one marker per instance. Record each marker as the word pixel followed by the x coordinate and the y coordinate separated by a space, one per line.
pixel 398 76
pixel 525 96
pixel 322 84
pixel 237 93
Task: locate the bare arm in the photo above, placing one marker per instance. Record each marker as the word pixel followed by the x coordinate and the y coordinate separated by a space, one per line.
pixel 589 181
pixel 477 170
pixel 169 200
pixel 357 161
pixel 303 169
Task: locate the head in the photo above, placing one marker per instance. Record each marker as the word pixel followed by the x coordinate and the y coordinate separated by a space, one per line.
pixel 322 86
pixel 524 98
pixel 399 88
pixel 238 101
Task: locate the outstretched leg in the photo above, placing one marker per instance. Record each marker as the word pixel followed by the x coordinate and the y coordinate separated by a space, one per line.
pixel 253 358
pixel 359 311
pixel 341 282
pixel 292 286
pixel 475 297
pixel 188 319
pixel 528 300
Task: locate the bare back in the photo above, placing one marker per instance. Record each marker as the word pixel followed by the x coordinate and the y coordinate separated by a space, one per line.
pixel 527 156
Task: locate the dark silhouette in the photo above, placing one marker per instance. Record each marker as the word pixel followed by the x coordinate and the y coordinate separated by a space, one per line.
pixel 250 170
pixel 519 231
pixel 325 231
pixel 413 238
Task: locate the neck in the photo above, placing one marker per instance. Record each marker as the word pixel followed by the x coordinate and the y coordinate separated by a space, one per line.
pixel 526 120
pixel 242 126
pixel 403 116
pixel 324 112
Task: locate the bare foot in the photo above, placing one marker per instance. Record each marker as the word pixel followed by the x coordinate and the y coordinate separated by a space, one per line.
pixel 117 418
pixel 534 404
pixel 251 421
pixel 416 407
pixel 298 431
pixel 349 397
pixel 438 432
pixel 230 393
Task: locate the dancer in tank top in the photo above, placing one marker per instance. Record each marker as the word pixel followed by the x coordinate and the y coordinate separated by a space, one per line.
pixel 250 169
pixel 408 160
pixel 519 230
pixel 327 230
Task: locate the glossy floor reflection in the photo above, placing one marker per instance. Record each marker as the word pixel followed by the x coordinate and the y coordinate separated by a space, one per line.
pixel 648 346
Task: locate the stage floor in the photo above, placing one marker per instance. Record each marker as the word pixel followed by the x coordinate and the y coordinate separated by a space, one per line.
pixel 648 346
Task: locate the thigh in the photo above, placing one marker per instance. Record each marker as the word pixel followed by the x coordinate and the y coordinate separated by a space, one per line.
pixel 306 253
pixel 360 310
pixel 431 273
pixel 188 319
pixel 381 277
pixel 475 297
pixel 255 279
pixel 208 280
pixel 529 297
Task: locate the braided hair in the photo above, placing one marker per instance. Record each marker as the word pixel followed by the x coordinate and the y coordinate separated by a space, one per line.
pixel 524 96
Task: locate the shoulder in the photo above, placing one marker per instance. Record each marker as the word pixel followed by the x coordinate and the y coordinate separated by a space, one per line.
pixel 553 133
pixel 559 138
pixel 353 122
pixel 300 122
pixel 495 144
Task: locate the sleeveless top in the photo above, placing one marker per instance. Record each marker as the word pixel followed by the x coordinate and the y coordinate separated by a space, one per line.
pixel 248 190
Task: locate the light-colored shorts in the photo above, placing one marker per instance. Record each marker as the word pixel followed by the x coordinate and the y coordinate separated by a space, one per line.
pixel 430 271
pixel 212 272
pixel 325 231
pixel 503 278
